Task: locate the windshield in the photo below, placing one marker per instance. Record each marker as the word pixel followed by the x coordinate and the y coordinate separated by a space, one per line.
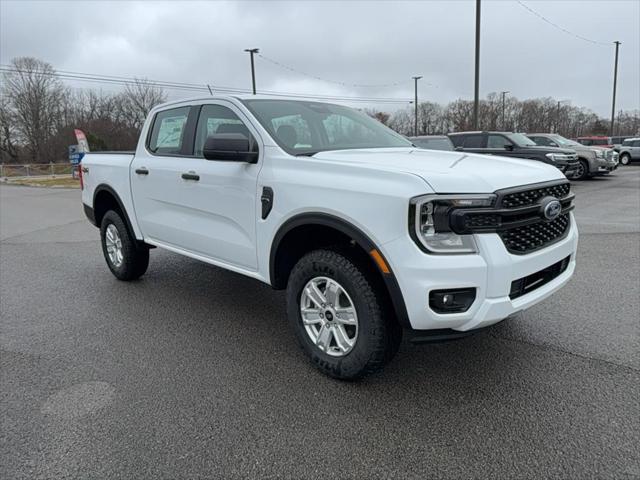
pixel 521 140
pixel 565 142
pixel 306 128
pixel 435 143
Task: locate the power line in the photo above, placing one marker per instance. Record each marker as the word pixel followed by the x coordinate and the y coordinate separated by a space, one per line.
pixel 124 81
pixel 336 82
pixel 544 19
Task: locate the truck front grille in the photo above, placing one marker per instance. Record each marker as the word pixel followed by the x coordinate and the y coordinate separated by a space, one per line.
pixel 529 197
pixel 533 237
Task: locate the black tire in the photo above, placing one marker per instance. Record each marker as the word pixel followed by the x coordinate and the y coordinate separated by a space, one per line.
pixel 378 336
pixel 625 159
pixel 135 255
pixel 583 171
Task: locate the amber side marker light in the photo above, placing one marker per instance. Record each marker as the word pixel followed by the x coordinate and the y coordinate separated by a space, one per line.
pixel 382 265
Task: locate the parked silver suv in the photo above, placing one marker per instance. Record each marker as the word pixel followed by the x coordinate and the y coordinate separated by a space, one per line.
pixel 629 150
pixel 593 160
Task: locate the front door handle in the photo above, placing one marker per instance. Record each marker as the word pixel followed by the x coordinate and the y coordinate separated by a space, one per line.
pixel 191 176
pixel 142 171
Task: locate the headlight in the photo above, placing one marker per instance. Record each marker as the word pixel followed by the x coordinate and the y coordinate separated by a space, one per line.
pixel 429 222
pixel 599 153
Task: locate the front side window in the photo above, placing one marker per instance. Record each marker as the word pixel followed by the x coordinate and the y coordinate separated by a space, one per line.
pixel 215 119
pixel 305 128
pixel 167 134
pixel 498 141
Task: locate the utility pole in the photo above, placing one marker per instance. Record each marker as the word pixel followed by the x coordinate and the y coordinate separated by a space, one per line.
pixel 560 102
pixel 251 52
pixel 503 95
pixel 476 90
pixel 615 84
pixel 415 105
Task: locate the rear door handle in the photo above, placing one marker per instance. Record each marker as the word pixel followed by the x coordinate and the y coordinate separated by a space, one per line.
pixel 142 171
pixel 191 176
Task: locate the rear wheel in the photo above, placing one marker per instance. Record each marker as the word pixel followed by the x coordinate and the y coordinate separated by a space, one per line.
pixel 127 258
pixel 625 159
pixel 338 316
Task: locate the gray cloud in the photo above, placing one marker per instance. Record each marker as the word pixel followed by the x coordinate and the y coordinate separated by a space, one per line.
pixel 353 42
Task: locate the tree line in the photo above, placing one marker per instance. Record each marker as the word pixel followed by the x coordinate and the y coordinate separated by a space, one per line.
pixel 38 114
pixel 537 115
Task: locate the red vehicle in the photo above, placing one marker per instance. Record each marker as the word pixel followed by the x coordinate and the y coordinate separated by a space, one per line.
pixel 602 142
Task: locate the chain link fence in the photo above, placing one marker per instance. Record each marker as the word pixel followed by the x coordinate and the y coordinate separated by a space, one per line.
pixel 36 169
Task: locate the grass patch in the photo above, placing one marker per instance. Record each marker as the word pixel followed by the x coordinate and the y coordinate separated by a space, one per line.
pixel 55 182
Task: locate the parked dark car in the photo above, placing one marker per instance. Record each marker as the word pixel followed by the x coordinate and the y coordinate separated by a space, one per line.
pixel 432 142
pixel 516 145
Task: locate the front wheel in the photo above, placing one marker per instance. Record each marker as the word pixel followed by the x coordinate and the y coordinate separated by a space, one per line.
pixel 127 259
pixel 338 317
pixel 625 159
pixel 582 170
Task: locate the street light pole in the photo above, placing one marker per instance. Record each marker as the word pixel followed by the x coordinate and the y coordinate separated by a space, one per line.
pixel 252 51
pixel 476 89
pixel 560 102
pixel 615 84
pixel 503 95
pixel 415 105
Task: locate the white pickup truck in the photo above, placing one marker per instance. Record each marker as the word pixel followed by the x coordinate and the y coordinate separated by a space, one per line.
pixel 369 235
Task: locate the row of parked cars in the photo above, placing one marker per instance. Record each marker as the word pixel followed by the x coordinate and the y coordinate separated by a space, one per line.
pixel 578 159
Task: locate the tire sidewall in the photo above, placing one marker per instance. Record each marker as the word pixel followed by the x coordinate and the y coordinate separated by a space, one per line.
pixel 112 218
pixel 625 159
pixel 370 337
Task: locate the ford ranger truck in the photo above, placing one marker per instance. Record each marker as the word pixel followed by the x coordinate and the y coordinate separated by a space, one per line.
pixel 370 236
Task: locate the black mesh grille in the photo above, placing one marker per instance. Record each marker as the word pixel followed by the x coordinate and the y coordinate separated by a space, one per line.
pixel 529 197
pixel 483 220
pixel 532 237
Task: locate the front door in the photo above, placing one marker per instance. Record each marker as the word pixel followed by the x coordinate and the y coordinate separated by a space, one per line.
pixel 205 207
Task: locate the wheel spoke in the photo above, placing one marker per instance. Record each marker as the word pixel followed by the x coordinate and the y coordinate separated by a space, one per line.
pixel 310 316
pixel 346 316
pixel 342 339
pixel 332 292
pixel 324 338
pixel 315 295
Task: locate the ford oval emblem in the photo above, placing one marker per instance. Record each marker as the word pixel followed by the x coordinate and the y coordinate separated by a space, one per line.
pixel 551 208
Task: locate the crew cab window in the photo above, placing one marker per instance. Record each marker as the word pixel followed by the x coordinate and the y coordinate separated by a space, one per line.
pixel 218 119
pixel 498 141
pixel 473 141
pixel 167 133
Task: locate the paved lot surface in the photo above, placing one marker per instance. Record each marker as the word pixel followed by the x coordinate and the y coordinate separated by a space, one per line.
pixel 191 372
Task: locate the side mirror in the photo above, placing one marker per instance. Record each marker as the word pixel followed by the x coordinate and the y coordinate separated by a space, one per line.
pixel 229 147
pixel 508 146
pixel 553 144
pixel 459 149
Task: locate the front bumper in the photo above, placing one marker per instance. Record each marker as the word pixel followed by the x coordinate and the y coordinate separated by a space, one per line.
pixel 568 167
pixel 491 272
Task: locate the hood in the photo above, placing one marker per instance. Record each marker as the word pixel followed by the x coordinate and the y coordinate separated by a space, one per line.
pixel 541 148
pixel 450 172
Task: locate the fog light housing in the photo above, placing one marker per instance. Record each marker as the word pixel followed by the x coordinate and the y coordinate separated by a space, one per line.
pixel 455 300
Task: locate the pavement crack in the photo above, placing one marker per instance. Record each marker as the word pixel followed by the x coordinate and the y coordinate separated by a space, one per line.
pixel 559 350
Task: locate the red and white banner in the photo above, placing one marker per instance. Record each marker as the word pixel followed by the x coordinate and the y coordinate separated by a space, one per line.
pixel 83 145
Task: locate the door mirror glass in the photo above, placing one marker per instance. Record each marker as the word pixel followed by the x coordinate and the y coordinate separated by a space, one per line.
pixel 229 147
pixel 508 146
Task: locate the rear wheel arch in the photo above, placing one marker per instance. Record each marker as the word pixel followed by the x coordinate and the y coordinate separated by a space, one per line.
pixel 321 230
pixel 105 198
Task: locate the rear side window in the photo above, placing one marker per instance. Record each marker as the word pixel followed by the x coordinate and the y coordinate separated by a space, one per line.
pixel 167 134
pixel 474 141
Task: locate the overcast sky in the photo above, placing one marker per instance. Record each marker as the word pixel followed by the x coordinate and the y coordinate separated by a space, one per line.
pixel 358 42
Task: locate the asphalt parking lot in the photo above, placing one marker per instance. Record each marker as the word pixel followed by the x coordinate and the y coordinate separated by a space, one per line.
pixel 192 372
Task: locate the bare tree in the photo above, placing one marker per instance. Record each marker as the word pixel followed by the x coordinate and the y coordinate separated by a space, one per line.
pixel 138 99
pixel 36 97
